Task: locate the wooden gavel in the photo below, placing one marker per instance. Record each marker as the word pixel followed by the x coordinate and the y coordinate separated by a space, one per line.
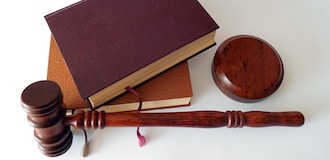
pixel 43 103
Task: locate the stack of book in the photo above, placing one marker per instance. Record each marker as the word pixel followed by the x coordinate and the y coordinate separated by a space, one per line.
pixel 168 89
pixel 98 48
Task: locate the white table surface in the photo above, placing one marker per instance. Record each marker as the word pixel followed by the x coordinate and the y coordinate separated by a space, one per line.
pixel 298 29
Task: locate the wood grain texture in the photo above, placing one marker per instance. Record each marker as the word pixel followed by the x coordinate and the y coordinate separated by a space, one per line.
pixel 247 69
pixel 42 101
pixel 197 119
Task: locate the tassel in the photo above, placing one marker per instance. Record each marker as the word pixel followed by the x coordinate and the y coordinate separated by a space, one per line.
pixel 86 148
pixel 86 145
pixel 142 139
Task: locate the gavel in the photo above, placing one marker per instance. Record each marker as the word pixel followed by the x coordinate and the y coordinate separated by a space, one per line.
pixel 43 103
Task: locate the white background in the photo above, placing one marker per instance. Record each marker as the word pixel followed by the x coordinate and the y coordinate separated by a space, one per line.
pixel 297 29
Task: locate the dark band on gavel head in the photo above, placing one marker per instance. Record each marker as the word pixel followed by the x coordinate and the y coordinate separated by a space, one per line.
pixel 43 103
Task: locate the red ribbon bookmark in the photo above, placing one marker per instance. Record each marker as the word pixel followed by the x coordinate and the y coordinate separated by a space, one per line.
pixel 142 139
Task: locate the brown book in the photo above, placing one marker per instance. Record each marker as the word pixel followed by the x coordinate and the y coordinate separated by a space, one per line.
pixel 109 45
pixel 171 88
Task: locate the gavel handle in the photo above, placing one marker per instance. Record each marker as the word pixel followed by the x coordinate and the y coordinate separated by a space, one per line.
pixel 199 119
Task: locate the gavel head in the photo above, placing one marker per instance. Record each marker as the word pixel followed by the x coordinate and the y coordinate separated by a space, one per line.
pixel 43 103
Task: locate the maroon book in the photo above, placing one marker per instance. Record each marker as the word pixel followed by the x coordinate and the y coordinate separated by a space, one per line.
pixel 111 44
pixel 171 88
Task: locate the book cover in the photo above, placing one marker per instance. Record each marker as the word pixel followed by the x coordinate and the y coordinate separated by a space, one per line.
pixel 171 88
pixel 111 44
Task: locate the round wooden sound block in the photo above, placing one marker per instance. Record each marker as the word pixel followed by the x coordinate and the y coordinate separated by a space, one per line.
pixel 247 69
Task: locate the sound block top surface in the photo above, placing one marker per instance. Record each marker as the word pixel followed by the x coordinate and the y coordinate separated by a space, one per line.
pixel 247 69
